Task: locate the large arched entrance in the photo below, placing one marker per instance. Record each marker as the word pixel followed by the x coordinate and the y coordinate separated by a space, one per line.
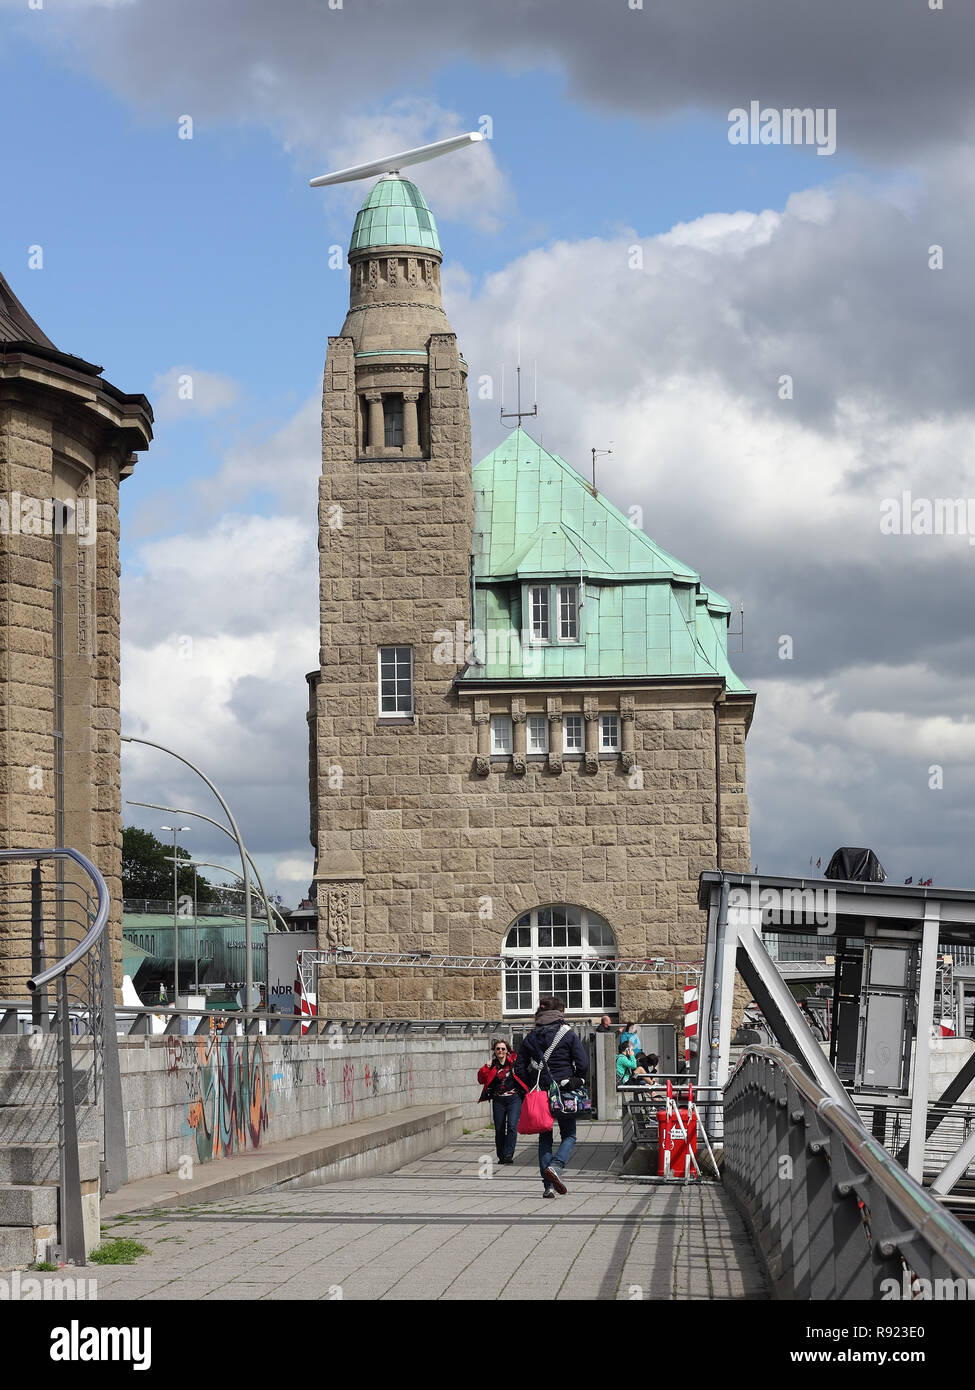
pixel 559 932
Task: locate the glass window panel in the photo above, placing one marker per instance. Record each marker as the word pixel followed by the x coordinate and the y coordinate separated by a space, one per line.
pixel 537 733
pixel 545 936
pixel 609 733
pixel 500 734
pixel 393 421
pixel 538 602
pixel 525 920
pixel 558 916
pixel 396 680
pixel 568 612
pixel 573 937
pixel 544 916
pixel 572 733
pixel 573 914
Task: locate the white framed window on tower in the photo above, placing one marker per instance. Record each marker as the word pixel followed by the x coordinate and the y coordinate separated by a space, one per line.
pixel 539 956
pixel 537 734
pixel 396 682
pixel 609 733
pixel 573 737
pixel 500 736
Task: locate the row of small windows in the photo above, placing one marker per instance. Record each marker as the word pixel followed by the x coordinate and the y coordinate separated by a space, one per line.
pixel 537 734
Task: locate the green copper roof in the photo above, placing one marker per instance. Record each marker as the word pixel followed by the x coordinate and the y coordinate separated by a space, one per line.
pixel 394 214
pixel 643 613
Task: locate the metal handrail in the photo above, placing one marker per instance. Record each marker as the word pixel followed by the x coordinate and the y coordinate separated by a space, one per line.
pixel 105 1042
pixel 927 1220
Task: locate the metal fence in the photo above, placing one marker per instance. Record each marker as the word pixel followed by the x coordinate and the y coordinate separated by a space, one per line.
pixel 59 907
pixel 834 1214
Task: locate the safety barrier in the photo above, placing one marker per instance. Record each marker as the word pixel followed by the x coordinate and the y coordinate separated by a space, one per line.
pixel 834 1214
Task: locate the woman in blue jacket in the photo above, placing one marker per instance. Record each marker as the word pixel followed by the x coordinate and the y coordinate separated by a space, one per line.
pixel 568 1060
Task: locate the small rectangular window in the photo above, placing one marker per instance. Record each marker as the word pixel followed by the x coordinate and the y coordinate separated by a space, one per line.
pixel 568 612
pixel 396 682
pixel 393 421
pixel 538 598
pixel 572 733
pixel 500 735
pixel 537 733
pixel 609 733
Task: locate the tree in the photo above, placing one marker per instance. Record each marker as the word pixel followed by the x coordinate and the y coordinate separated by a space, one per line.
pixel 147 869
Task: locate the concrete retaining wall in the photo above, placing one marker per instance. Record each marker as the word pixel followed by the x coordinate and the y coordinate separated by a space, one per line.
pixel 196 1100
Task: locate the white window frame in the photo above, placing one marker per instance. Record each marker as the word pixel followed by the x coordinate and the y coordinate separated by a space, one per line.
pixel 499 722
pixel 535 719
pixel 599 997
pixel 549 633
pixel 543 631
pixel 580 748
pixel 606 721
pixel 394 714
pixel 573 605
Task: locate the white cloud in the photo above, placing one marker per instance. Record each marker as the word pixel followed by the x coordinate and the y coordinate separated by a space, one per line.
pixel 186 393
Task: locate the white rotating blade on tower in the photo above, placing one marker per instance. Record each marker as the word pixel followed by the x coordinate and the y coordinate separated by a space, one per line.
pixel 394 162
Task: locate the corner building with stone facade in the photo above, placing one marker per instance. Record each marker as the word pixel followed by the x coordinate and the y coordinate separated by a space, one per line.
pixel 68 438
pixel 525 734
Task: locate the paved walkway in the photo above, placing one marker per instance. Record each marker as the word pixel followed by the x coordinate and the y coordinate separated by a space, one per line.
pixel 449 1226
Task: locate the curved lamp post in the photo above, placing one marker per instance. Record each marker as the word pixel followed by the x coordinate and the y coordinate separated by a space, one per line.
pixel 181 811
pixel 248 954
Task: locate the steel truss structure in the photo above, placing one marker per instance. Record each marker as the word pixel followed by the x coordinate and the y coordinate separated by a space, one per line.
pixel 310 962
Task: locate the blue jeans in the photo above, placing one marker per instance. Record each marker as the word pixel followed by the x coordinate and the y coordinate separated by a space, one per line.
pixel 567 1133
pixel 506 1111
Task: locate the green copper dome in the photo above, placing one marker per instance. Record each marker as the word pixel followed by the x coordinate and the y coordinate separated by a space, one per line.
pixel 394 214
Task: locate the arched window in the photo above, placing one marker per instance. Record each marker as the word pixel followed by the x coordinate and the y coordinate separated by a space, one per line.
pixel 558 933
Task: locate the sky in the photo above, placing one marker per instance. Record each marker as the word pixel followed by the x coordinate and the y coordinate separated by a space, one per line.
pixel 773 339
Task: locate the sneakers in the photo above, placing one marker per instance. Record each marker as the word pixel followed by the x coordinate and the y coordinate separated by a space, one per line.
pixel 549 1193
pixel 553 1176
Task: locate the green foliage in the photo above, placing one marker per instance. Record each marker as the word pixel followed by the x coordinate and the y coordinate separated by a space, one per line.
pixel 147 869
pixel 118 1252
pixel 44 1265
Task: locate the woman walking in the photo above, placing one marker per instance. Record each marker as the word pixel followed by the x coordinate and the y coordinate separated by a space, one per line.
pixel 505 1093
pixel 555 1051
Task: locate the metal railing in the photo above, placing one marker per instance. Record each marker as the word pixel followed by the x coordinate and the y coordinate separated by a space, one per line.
pixel 161 1020
pixel 834 1214
pixel 67 912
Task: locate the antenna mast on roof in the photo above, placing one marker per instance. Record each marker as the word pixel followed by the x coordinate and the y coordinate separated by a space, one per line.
pixel 520 414
pixel 597 453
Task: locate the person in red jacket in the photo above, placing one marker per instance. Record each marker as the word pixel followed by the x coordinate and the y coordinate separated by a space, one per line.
pixel 505 1092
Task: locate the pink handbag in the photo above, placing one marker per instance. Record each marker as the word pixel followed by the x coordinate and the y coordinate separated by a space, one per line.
pixel 535 1117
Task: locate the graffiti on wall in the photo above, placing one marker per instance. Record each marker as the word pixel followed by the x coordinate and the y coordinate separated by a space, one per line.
pixel 226 1082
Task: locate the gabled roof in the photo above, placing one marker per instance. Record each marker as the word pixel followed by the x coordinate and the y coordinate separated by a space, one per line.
pixel 533 514
pixel 16 325
pixel 643 613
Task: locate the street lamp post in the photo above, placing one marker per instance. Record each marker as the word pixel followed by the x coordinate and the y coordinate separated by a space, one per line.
pixel 249 959
pixel 176 829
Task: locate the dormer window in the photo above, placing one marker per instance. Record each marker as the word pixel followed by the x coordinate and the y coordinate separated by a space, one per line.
pixel 568 612
pixel 553 612
pixel 538 598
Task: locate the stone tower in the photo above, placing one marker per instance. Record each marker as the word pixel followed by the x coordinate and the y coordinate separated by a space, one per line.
pixel 395 520
pixel 525 733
